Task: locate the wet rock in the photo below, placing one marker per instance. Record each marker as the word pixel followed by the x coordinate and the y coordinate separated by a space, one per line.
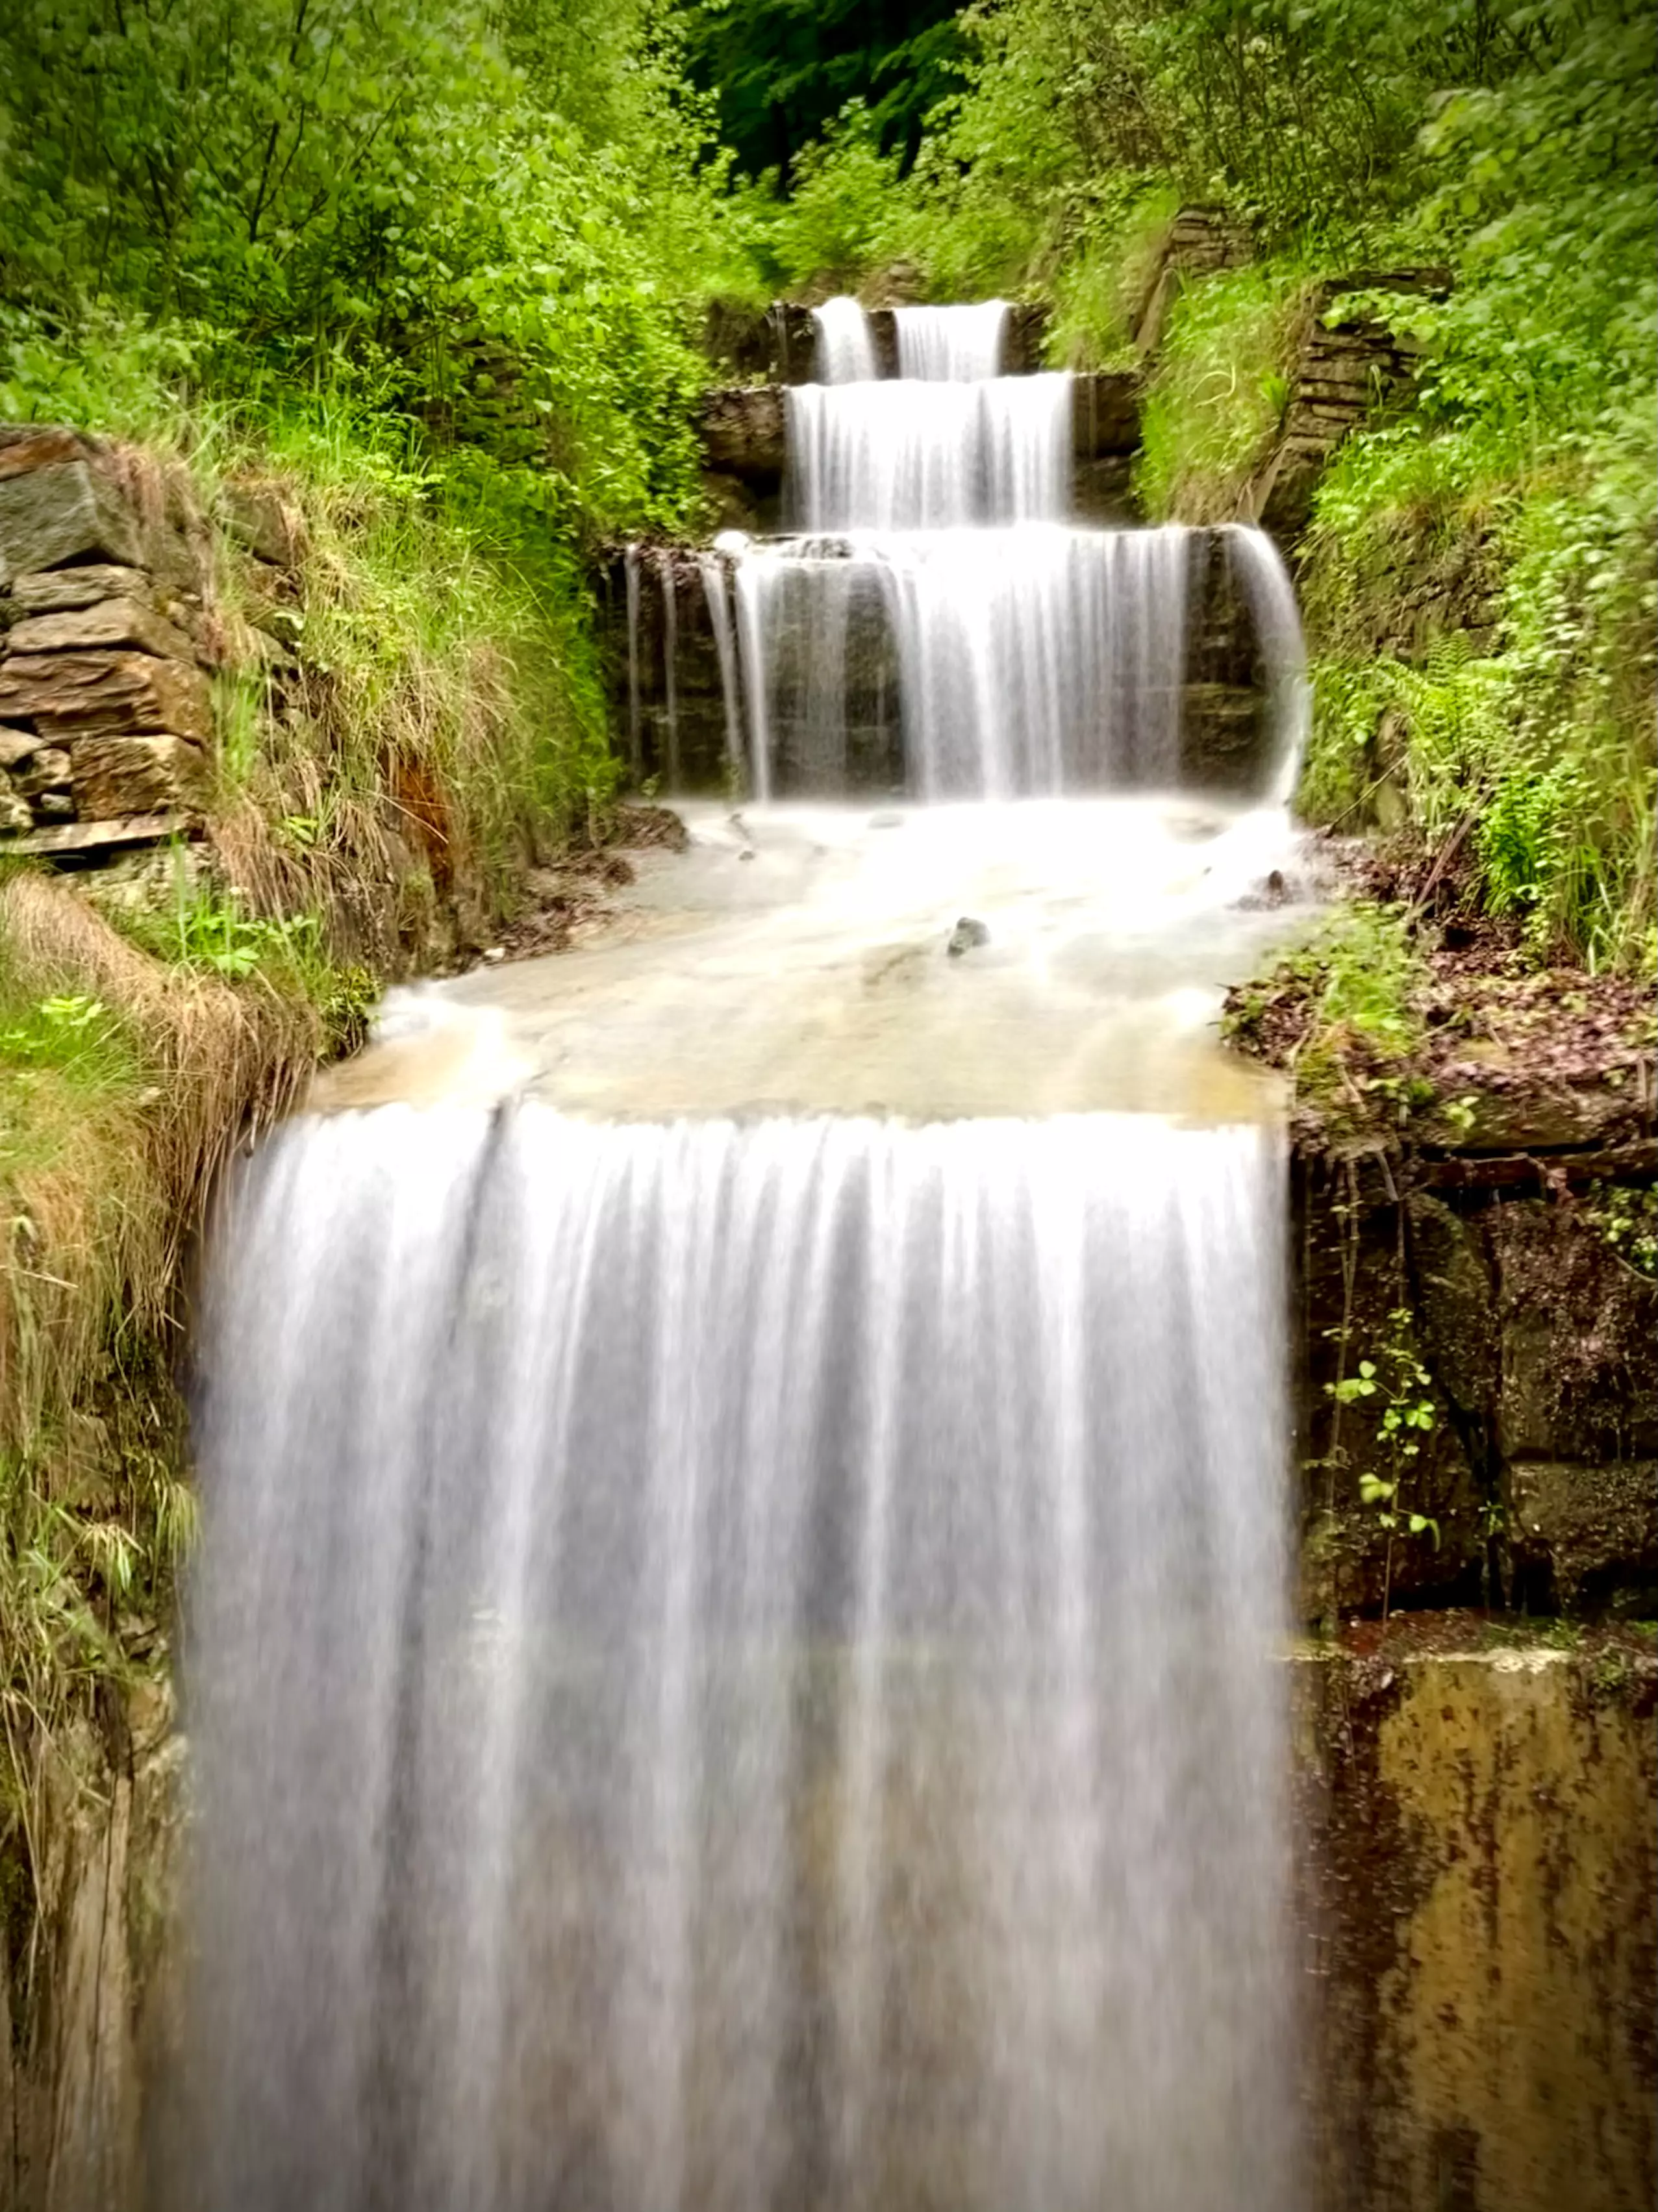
pixel 1590 1532
pixel 105 626
pixel 135 774
pixel 64 510
pixel 968 933
pixel 71 695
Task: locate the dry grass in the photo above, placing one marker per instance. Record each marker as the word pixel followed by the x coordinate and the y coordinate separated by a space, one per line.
pixel 103 1166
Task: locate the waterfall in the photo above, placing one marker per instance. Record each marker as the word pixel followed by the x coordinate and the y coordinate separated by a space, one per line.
pixel 1030 656
pixel 846 351
pixel 952 345
pixel 712 571
pixel 733 1669
pixel 895 455
pixel 735 1660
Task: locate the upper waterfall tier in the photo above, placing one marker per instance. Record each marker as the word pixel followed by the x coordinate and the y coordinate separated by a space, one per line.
pixel 948 442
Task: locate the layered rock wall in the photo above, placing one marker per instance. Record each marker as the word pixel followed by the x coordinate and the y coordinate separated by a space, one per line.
pixel 108 641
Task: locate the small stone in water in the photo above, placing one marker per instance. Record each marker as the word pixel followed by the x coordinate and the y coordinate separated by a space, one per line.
pixel 968 933
pixel 495 952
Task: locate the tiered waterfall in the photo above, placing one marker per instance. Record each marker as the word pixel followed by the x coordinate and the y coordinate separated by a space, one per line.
pixel 732 1665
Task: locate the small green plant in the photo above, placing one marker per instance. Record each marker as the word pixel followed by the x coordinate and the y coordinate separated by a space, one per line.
pixel 1628 1219
pixel 1397 1379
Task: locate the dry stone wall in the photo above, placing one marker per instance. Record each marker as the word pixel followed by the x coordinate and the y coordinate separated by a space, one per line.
pixel 108 643
pixel 1347 365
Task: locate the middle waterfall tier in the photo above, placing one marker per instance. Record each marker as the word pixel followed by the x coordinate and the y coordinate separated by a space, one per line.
pixel 991 663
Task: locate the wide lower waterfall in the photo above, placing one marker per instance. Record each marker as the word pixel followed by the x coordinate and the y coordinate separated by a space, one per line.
pixel 734 1670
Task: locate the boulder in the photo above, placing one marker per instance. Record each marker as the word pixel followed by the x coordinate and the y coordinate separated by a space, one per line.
pixel 74 695
pixel 106 626
pixel 263 523
pixel 62 511
pixel 52 591
pixel 136 773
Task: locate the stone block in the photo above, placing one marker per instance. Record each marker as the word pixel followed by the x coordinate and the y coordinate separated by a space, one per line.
pixel 26 446
pixel 17 745
pixel 74 695
pixel 14 814
pixel 64 510
pixel 46 769
pixel 742 431
pixel 1579 1331
pixel 1456 1305
pixel 53 591
pixel 135 774
pixel 104 627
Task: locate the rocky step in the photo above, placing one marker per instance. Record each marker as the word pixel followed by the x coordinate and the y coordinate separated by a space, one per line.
pixel 778 344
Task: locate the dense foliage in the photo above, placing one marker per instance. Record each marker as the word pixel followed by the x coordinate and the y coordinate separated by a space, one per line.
pixel 490 218
pixel 784 71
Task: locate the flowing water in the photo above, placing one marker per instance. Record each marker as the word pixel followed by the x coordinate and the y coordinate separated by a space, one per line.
pixel 734 1663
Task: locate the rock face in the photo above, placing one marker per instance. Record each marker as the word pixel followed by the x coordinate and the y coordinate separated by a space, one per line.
pixel 105 639
pixel 1539 1347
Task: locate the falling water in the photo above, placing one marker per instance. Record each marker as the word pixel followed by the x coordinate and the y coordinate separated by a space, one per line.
pixel 952 345
pixel 630 576
pixel 893 455
pixel 671 667
pixel 1026 656
pixel 734 1670
pixel 712 572
pixel 846 351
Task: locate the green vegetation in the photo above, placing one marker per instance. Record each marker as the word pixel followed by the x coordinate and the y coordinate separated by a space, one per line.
pixel 426 281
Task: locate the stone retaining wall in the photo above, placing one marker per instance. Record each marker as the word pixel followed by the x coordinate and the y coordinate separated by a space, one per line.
pixel 106 642
pixel 1345 368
